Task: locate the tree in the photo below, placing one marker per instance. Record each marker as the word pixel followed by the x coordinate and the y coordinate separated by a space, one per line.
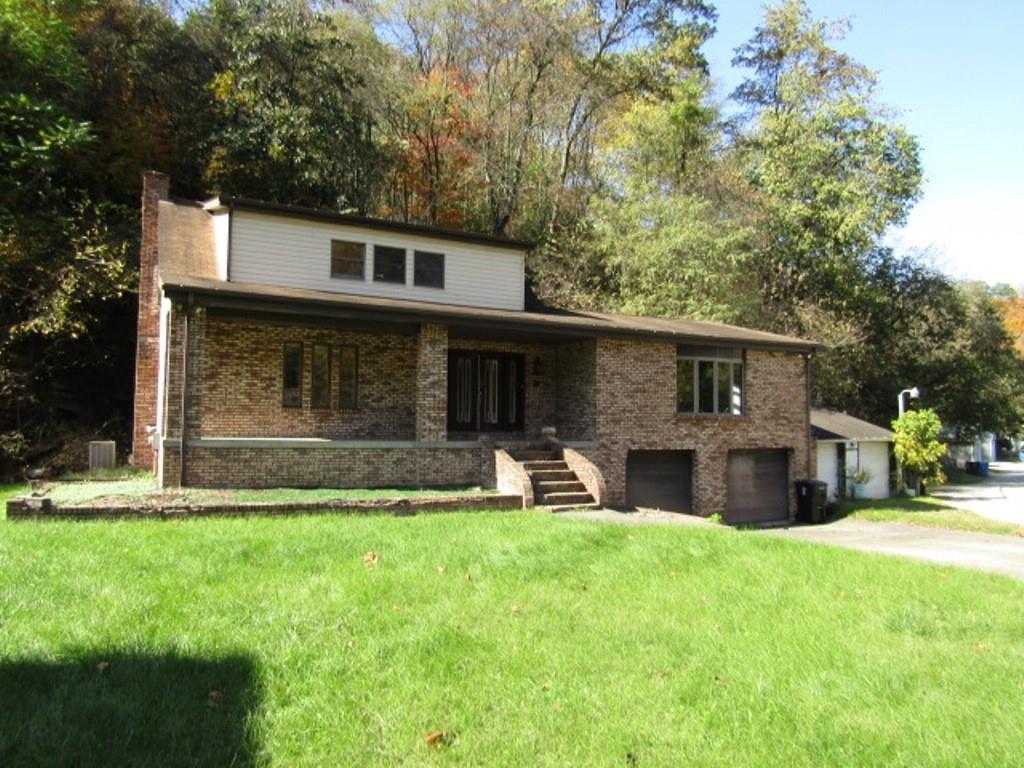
pixel 434 170
pixel 917 447
pixel 1012 309
pixel 289 125
pixel 834 168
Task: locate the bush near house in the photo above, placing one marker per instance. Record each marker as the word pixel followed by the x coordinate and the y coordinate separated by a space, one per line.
pixel 917 447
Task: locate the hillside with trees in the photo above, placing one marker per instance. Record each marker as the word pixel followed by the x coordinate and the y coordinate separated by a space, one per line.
pixel 593 129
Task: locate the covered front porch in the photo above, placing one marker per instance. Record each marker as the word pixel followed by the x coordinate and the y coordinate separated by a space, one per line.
pixel 264 395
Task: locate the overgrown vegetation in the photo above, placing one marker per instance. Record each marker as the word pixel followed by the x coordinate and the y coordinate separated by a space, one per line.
pixel 494 639
pixel 592 128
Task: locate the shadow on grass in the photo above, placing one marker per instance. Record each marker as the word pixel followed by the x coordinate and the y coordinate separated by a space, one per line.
pixel 128 710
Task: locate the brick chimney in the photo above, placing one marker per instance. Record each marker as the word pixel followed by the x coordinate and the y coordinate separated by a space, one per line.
pixel 155 187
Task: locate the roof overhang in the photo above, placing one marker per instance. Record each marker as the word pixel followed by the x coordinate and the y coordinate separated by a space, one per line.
pixel 233 203
pixel 296 302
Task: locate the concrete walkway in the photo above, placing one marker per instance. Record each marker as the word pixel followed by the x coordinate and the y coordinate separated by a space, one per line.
pixel 1000 496
pixel 980 551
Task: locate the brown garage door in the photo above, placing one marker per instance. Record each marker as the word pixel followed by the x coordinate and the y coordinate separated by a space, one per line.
pixel 758 486
pixel 660 480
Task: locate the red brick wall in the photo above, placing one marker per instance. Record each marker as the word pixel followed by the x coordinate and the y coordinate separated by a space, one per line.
pixel 155 187
pixel 576 373
pixel 346 467
pixel 235 391
pixel 242 382
pixel 431 377
pixel 636 409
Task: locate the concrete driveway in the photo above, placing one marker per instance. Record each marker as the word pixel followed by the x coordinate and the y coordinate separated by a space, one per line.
pixel 1000 496
pixel 981 551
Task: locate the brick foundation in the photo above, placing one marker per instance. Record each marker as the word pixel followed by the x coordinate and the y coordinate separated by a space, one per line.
pixel 329 467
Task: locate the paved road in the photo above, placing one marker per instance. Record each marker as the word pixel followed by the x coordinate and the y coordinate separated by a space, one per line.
pixel 999 497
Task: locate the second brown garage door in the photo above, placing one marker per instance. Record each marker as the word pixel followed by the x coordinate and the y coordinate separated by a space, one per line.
pixel 758 486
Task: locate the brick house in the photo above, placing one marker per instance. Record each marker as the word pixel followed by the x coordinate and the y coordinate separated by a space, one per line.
pixel 280 346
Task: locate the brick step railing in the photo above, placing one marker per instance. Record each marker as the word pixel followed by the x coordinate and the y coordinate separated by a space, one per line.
pixel 555 486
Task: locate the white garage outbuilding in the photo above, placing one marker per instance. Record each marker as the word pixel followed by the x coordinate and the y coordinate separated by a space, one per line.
pixel 846 446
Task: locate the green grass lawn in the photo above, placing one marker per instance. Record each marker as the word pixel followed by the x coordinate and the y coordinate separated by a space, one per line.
pixel 523 638
pixel 928 512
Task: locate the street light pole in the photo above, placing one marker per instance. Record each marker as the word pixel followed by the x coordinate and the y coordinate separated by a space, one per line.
pixel 914 393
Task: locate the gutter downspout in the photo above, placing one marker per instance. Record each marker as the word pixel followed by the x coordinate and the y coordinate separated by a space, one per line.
pixel 807 378
pixel 184 388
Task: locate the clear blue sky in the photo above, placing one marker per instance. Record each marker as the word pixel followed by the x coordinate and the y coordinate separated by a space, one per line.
pixel 955 71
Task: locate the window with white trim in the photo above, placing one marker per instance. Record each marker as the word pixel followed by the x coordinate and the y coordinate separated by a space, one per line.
pixel 709 380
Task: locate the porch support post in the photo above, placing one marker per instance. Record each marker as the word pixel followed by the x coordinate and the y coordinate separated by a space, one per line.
pixel 432 383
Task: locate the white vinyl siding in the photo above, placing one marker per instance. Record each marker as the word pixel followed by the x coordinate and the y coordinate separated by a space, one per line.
pixel 296 253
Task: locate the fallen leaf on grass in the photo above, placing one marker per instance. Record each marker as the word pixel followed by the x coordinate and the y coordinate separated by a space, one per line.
pixel 103 666
pixel 721 681
pixel 370 558
pixel 437 739
pixel 514 609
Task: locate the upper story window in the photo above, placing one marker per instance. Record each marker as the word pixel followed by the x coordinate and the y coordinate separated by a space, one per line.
pixel 348 259
pixel 428 269
pixel 709 380
pixel 388 264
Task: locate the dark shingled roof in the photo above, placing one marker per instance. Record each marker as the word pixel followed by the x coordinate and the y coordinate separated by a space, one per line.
pixel 581 324
pixel 336 217
pixel 835 425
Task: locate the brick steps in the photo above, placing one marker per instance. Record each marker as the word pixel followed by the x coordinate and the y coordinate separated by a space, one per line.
pixel 555 486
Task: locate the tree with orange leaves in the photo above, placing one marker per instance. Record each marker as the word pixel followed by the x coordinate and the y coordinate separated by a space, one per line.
pixel 434 168
pixel 1012 309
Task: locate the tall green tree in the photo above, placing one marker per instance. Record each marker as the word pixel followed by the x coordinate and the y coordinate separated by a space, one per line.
pixel 289 122
pixel 835 168
pixel 62 252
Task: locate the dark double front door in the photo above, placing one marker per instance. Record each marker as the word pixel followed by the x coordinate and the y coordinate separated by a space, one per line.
pixel 486 391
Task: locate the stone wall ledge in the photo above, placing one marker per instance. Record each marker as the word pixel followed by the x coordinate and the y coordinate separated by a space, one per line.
pixel 315 442
pixel 36 508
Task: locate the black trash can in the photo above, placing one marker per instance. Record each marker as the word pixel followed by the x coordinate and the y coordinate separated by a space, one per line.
pixel 811 498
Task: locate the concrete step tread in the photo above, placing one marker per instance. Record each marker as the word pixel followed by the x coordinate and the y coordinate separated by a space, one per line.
pixel 544 464
pixel 572 507
pixel 565 498
pixel 556 486
pixel 551 475
pixel 535 456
